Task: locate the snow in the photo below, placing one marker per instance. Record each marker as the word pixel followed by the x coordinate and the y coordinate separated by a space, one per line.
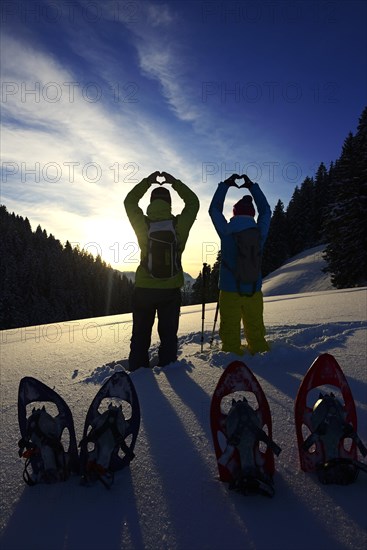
pixel 170 496
pixel 302 273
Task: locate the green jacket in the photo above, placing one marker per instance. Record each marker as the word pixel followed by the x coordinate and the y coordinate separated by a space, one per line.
pixel 159 210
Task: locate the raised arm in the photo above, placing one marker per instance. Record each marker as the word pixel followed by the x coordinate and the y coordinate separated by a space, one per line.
pixel 131 202
pixel 188 215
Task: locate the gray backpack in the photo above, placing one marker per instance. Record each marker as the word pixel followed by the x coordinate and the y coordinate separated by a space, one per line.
pixel 249 255
pixel 248 263
pixel 164 257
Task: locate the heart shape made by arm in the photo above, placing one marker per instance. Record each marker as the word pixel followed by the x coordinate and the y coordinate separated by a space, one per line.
pixel 246 182
pixel 235 181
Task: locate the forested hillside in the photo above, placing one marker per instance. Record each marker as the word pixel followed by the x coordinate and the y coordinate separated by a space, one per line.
pixel 328 208
pixel 42 281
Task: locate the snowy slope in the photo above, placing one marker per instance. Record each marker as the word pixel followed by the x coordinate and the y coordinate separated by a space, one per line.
pixel 303 273
pixel 170 496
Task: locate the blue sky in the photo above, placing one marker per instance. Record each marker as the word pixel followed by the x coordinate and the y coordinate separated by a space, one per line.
pixel 98 94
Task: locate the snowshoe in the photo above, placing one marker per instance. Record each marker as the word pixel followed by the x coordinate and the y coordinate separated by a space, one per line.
pixel 43 435
pixel 327 433
pixel 243 437
pixel 104 448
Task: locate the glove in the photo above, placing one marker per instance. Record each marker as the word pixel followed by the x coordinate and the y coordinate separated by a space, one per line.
pixel 168 177
pixel 247 182
pixel 152 178
pixel 231 180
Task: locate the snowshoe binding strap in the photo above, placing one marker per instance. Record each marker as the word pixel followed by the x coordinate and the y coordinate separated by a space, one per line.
pixel 95 471
pixel 107 434
pixel 330 428
pixel 252 481
pixel 244 433
pixel 339 471
pixel 42 449
pixel 248 421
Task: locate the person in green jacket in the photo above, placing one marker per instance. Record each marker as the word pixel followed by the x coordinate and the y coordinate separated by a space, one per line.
pixel 155 293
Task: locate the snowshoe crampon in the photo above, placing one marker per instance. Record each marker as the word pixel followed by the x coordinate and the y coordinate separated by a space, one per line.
pixel 110 430
pixel 48 442
pixel 242 435
pixel 326 427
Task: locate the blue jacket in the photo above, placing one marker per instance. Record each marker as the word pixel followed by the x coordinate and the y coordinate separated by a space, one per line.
pixel 226 229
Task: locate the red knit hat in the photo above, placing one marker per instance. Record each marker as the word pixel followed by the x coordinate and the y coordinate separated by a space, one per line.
pixel 244 207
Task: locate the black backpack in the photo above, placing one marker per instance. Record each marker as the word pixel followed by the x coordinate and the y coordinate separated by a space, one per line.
pixel 248 262
pixel 164 258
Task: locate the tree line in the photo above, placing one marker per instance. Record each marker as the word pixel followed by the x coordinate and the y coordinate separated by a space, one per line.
pixel 327 208
pixel 43 281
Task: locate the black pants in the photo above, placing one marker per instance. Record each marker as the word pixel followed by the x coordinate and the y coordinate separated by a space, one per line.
pixel 146 302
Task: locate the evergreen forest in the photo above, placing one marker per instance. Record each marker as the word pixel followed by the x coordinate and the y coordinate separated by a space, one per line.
pixel 43 281
pixel 327 208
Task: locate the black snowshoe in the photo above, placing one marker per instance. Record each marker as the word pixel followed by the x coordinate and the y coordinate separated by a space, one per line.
pixel 104 448
pixel 41 444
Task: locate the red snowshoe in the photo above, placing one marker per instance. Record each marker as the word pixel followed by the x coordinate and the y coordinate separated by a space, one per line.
pixel 327 430
pixel 242 437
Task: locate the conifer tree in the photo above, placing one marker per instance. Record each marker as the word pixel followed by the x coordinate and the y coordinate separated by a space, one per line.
pixel 345 227
pixel 276 249
pixel 197 289
pixel 294 222
pixel 213 290
pixel 42 281
pixel 323 198
pixel 301 218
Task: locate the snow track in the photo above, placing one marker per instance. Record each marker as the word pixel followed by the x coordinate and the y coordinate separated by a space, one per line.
pixel 170 496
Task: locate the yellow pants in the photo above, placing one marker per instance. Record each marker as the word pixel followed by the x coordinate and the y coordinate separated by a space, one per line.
pixel 233 309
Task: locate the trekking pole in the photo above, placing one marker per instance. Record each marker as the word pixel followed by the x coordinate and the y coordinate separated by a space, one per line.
pixel 215 323
pixel 205 271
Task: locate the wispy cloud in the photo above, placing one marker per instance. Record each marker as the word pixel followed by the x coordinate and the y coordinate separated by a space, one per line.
pixel 160 15
pixel 164 57
pixel 68 160
pixel 161 58
pixel 87 115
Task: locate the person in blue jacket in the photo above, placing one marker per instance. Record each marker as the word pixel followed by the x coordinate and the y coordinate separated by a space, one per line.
pixel 242 302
